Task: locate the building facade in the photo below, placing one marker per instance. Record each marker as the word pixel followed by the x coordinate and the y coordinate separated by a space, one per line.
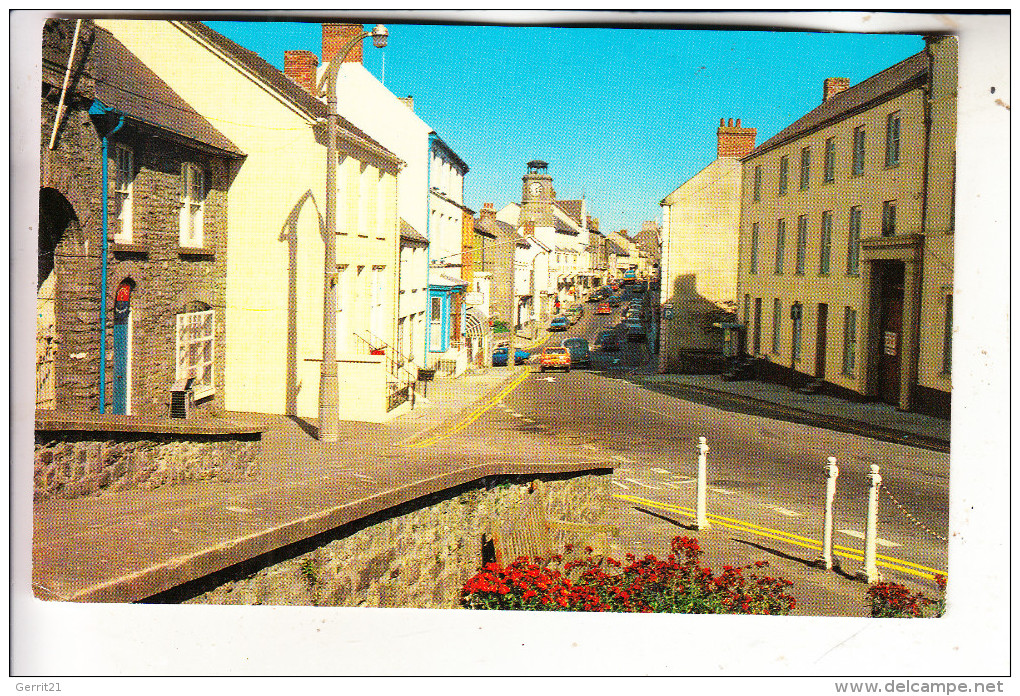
pixel 131 277
pixel 846 237
pixel 701 228
pixel 275 252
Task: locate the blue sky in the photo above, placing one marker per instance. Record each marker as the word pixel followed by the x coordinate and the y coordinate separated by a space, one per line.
pixel 623 116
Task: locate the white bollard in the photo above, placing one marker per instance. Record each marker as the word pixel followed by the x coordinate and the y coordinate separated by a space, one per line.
pixel 702 515
pixel 871 527
pixel 832 473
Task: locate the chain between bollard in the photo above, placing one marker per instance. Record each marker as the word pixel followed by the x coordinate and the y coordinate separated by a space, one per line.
pixel 910 516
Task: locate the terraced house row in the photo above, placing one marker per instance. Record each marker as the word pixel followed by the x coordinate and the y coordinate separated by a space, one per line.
pixel 846 237
pixel 830 245
pixel 182 200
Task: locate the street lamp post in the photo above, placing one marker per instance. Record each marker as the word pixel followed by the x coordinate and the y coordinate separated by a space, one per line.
pixel 329 420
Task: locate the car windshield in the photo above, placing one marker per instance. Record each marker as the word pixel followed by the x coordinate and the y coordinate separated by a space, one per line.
pixel 555 350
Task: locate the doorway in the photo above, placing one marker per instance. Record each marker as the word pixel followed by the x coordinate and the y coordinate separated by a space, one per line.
pixel 757 326
pixel 121 387
pixel 820 340
pixel 890 293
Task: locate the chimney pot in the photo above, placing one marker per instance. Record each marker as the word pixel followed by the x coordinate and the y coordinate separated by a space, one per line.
pixel 734 140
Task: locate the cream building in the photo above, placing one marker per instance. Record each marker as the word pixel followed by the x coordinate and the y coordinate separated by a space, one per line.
pixel 846 237
pixel 274 293
pixel 700 230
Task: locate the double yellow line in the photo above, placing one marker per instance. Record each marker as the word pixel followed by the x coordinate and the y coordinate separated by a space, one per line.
pixel 789 538
pixel 474 415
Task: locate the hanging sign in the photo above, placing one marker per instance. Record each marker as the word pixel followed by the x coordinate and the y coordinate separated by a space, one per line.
pixel 122 304
pixel 890 342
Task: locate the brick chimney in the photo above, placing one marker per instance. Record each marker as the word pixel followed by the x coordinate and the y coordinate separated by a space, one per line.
pixel 300 66
pixel 733 140
pixel 529 228
pixel 833 86
pixel 487 217
pixel 334 36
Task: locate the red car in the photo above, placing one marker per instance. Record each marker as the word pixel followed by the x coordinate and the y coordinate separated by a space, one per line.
pixel 604 308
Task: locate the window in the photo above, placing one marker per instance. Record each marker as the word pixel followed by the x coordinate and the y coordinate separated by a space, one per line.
pixel 757 184
pixel 853 244
pixel 825 248
pixel 947 338
pixel 857 169
pixel 192 205
pixel 801 244
pixel 195 350
pixel 777 318
pixel 805 167
pixel 830 161
pixel 123 185
pixel 754 248
pixel 784 174
pixel 849 341
pixel 780 245
pixel 892 139
pixel 889 218
pixel 366 199
pixel 747 310
pixel 757 326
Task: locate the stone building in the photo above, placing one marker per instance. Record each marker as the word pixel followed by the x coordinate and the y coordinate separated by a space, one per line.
pixel 846 238
pixel 155 241
pixel 701 226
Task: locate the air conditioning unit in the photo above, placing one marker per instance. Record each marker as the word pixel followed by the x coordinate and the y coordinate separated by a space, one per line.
pixel 182 398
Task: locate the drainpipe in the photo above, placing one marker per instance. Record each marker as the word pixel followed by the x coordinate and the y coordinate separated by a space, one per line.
pixel 428 254
pixel 102 110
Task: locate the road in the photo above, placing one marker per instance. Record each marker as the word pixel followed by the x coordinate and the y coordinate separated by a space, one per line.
pixel 766 477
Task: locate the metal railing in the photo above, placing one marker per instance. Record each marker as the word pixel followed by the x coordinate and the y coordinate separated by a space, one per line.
pixel 401 381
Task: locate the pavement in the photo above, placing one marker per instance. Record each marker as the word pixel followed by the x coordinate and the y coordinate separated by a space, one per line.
pixel 306 488
pixel 876 420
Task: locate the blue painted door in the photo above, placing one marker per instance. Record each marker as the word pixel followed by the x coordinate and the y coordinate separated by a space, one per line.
pixel 121 341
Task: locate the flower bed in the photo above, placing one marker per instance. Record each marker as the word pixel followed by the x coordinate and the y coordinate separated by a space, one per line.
pixel 582 582
pixel 891 600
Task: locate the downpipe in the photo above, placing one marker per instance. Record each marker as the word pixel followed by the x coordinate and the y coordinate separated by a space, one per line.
pixel 105 198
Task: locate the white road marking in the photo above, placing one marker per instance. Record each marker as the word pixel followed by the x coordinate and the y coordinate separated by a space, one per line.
pixel 615 482
pixel 360 476
pixel 515 414
pixel 622 459
pixel 231 508
pixel 784 511
pixel 660 471
pixel 721 490
pixel 545 379
pixel 593 448
pixel 676 486
pixel 642 483
pixel 859 535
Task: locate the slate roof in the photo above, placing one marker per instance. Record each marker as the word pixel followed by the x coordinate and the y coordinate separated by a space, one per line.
pixel 408 233
pixel 279 81
pixel 615 248
pixel 874 90
pixel 571 208
pixel 125 84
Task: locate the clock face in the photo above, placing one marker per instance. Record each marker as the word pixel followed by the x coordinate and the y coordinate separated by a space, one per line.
pixel 536 189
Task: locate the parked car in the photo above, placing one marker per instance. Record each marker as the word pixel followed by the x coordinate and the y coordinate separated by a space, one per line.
pixel 499 354
pixel 635 330
pixel 554 358
pixel 578 348
pixel 559 324
pixel 607 341
pixel 574 313
pixel 604 308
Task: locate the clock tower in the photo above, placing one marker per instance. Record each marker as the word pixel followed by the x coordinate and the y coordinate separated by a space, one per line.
pixel 537 195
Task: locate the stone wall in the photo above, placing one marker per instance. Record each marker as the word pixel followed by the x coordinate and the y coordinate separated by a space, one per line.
pixel 79 463
pixel 417 556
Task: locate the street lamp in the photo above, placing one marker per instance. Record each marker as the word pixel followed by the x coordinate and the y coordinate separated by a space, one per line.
pixel 329 419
